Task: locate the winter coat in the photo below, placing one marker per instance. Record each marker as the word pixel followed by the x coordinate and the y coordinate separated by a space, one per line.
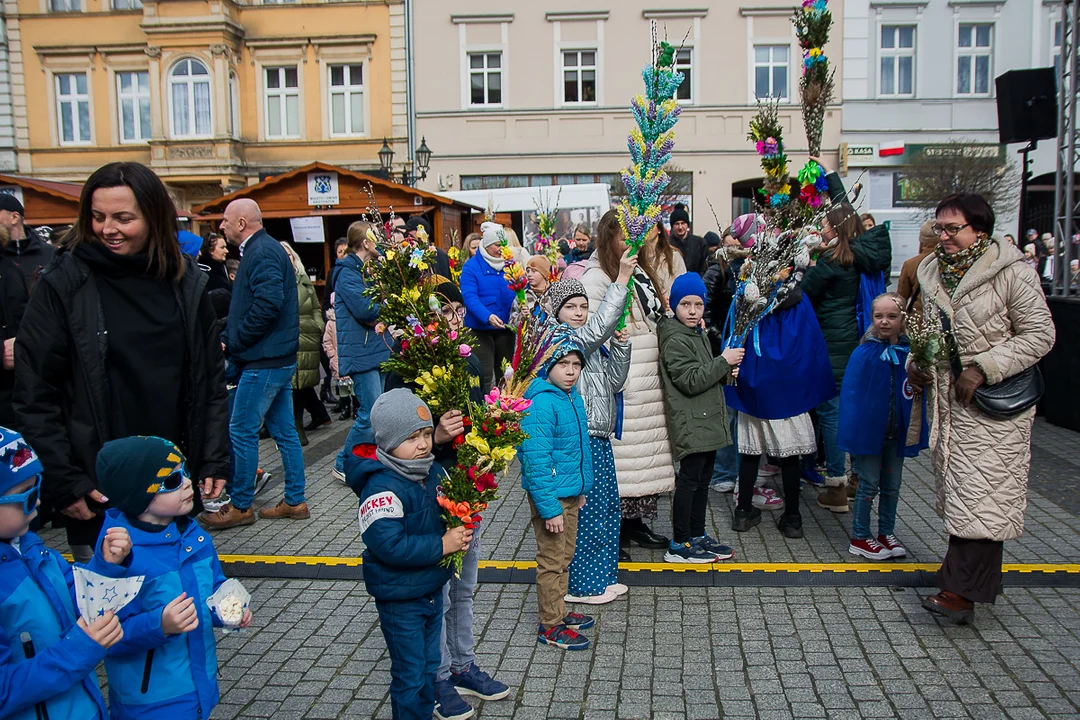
pixel 218 275
pixel 485 292
pixel 834 289
pixel 13 297
pixel 605 370
pixel 719 281
pixel 329 342
pixel 311 332
pixel 30 255
pixel 402 528
pixel 576 255
pixel 693 390
pixel 1001 324
pixel 556 460
pixel 643 462
pixel 360 348
pixel 37 597
pixel 694 251
pixel 61 391
pixel 152 675
pixel 264 324
pixel 908 283
pixel 665 278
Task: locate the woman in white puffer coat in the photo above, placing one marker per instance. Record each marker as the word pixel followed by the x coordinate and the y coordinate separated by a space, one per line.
pixel 1001 326
pixel 643 463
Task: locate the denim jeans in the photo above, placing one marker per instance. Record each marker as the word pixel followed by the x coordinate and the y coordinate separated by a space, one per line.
pixel 367 386
pixel 877 474
pixel 828 414
pixel 264 393
pixel 726 465
pixel 456 636
pixel 411 629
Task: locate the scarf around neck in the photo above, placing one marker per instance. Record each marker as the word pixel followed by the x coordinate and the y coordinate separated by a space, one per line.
pixel 952 268
pixel 496 264
pixel 416 470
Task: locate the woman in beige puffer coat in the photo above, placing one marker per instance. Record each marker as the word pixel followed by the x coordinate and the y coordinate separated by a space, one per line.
pixel 1001 326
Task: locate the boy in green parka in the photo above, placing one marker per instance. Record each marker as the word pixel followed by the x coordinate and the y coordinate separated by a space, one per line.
pixel 696 416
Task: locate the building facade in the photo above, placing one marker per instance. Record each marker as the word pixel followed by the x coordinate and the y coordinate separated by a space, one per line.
pixel 538 95
pixel 920 73
pixel 212 94
pixel 7 115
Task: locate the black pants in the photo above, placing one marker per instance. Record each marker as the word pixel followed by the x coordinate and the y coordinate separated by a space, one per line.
pixel 308 399
pixel 691 499
pixel 972 569
pixel 789 473
pixel 492 347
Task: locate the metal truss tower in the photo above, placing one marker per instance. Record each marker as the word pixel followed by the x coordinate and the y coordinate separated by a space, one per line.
pixel 1066 208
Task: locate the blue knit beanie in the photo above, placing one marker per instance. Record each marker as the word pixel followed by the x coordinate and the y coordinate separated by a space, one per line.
pixel 686 285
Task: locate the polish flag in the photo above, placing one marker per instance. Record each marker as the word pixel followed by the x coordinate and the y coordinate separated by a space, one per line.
pixel 888 149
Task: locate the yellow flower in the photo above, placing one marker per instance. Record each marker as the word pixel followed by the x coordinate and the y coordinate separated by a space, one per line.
pixel 478 442
pixel 414 294
pixel 422 265
pixel 390 254
pixel 504 453
pixel 437 371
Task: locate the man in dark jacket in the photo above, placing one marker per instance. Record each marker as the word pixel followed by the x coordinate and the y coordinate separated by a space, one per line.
pixel 13 296
pixel 26 250
pixel 442 260
pixel 262 337
pixel 693 249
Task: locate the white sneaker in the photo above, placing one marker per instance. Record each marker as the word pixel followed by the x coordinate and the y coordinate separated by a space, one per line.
pixel 618 589
pixel 768 471
pixel 338 474
pixel 724 486
pixel 607 596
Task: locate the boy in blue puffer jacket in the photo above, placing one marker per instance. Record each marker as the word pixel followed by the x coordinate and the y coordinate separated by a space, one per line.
pixel 166 665
pixel 47 654
pixel 405 539
pixel 557 472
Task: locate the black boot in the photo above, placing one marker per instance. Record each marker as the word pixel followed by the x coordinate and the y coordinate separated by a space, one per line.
pixel 744 520
pixel 636 531
pixel 790 526
pixel 303 435
pixel 624 556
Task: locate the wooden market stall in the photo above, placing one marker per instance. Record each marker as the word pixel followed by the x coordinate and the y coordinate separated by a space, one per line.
pixel 314 205
pixel 47 202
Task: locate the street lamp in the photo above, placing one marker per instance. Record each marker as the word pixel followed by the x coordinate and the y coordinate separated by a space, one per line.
pixel 421 163
pixel 423 157
pixel 386 157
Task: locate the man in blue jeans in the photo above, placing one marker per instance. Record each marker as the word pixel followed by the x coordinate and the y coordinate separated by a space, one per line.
pixel 361 350
pixel 261 338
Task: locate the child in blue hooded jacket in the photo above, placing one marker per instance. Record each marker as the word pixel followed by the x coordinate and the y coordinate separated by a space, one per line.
pixel 557 472
pixel 880 425
pixel 397 481
pixel 47 653
pixel 166 665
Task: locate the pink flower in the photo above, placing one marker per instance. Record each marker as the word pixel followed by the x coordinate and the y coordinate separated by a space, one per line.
pixel 434 341
pixel 453 335
pixel 492 397
pixel 464 350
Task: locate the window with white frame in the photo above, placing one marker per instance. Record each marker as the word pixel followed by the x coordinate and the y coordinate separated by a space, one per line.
pixel 771 71
pixel 897 60
pixel 282 102
pixel 72 109
pixel 974 48
pixel 189 96
pixel 347 99
pixel 485 78
pixel 65 5
pixel 579 76
pixel 684 63
pixel 133 102
pixel 126 4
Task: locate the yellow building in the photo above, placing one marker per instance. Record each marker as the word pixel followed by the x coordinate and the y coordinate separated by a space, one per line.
pixel 212 94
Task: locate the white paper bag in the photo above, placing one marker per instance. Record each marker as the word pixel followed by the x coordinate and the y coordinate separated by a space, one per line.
pixel 96 594
pixel 229 603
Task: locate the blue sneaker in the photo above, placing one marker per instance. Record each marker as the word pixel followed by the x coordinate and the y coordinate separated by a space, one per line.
pixel 810 473
pixel 478 683
pixel 577 621
pixel 563 637
pixel 687 553
pixel 706 543
pixel 448 704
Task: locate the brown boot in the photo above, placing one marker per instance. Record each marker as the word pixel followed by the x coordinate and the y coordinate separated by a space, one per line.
pixel 852 485
pixel 227 517
pixel 950 605
pixel 284 510
pixel 834 496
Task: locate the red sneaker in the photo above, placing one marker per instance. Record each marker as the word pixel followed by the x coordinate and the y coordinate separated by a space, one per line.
pixel 869 548
pixel 890 543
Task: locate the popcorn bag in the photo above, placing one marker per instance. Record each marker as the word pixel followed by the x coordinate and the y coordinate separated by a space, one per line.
pixel 229 603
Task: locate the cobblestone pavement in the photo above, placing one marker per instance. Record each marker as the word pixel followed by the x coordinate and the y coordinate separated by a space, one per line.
pixel 316 650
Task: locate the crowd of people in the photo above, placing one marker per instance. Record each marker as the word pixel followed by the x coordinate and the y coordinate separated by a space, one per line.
pixel 137 382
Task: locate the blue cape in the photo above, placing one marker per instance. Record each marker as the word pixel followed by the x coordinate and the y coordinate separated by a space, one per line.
pixel 786 370
pixel 874 373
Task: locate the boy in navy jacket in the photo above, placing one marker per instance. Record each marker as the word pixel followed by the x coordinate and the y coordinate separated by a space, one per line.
pixel 405 539
pixel 557 472
pixel 47 656
pixel 166 665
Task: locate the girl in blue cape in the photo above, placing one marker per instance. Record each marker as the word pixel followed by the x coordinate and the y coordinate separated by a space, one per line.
pixel 880 425
pixel 783 376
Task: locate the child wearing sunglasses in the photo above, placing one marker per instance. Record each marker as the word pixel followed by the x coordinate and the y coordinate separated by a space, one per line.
pixel 47 653
pixel 166 665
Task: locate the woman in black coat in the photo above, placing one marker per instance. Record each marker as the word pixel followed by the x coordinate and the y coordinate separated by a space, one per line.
pixel 120 339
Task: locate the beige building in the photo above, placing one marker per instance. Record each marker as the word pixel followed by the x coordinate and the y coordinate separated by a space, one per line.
pixel 512 95
pixel 213 95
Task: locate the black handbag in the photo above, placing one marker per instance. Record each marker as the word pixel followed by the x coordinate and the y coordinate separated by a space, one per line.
pixel 1005 399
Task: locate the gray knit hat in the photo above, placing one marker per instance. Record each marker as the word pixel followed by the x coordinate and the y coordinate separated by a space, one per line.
pixel 561 292
pixel 396 415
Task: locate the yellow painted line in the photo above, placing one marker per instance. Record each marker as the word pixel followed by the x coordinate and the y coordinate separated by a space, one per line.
pixel 1070 568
